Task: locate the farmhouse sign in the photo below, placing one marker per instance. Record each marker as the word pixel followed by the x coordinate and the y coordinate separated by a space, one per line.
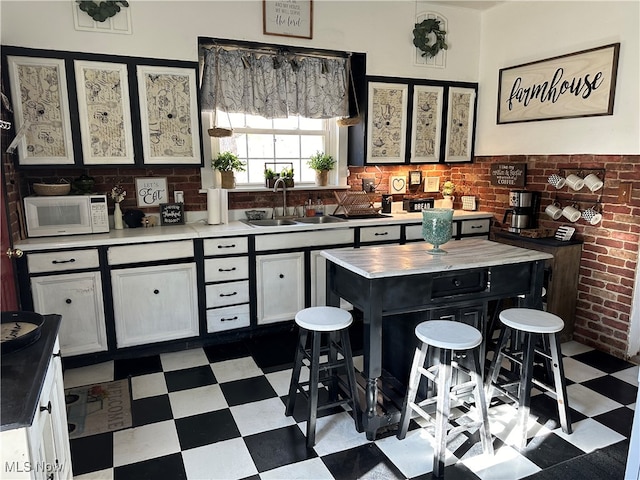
pixel 580 84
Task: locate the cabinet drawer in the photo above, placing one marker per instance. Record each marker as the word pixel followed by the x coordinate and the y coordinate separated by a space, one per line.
pixel 414 232
pixel 59 261
pixel 475 227
pixel 223 294
pixel 388 233
pixel 225 269
pixel 150 252
pixel 226 246
pixel 228 318
pixel 316 238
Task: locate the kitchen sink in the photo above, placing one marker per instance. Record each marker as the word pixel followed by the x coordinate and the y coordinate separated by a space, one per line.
pixel 322 219
pixel 269 222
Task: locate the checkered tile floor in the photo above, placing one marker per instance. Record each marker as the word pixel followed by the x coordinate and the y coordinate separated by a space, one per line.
pixel 218 412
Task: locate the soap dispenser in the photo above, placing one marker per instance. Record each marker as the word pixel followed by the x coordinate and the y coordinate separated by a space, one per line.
pixel 319 207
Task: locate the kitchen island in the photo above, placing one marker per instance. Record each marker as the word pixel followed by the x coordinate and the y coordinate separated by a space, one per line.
pixel 395 280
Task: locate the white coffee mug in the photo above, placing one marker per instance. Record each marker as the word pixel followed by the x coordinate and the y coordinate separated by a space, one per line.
pixel 592 216
pixel 556 180
pixel 593 182
pixel 571 213
pixel 575 182
pixel 554 210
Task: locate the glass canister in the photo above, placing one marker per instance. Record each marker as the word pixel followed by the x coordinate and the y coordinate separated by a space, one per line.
pixel 437 227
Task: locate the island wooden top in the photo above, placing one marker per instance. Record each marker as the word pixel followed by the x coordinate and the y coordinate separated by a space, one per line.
pixel 414 258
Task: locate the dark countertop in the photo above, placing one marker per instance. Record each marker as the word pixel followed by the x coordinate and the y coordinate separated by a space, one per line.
pixel 548 241
pixel 22 376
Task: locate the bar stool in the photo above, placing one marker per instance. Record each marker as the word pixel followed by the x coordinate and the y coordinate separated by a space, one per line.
pixel 333 322
pixel 445 337
pixel 531 332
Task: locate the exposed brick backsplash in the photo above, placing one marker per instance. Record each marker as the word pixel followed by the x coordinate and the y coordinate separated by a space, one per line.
pixel 610 249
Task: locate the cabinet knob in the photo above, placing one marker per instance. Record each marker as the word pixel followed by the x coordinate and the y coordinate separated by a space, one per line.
pixel 57 354
pixel 281 275
pixel 170 115
pixel 14 253
pixel 47 408
pixel 68 301
pixel 156 292
pixel 456 282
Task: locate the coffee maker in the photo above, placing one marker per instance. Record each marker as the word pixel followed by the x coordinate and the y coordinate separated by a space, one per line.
pixel 523 206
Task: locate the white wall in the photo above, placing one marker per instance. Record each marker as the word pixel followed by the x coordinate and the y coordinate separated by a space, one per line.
pixel 519 32
pixel 169 29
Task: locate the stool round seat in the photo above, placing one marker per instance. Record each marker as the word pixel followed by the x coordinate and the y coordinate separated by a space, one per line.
pixel 448 334
pixel 323 319
pixel 529 320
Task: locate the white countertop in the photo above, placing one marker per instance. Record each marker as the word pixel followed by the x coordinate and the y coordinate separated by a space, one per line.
pixel 203 230
pixel 414 258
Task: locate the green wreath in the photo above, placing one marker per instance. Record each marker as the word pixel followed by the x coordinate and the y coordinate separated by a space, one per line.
pixel 421 37
pixel 102 10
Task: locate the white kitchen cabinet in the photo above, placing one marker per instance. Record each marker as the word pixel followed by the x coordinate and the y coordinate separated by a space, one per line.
pixel 75 296
pixel 280 286
pixel 78 298
pixel 41 451
pixel 155 303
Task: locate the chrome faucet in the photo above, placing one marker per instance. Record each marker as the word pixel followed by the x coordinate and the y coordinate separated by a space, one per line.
pixel 284 195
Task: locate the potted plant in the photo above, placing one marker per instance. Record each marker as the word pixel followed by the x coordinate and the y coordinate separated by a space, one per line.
pixel 287 174
pixel 321 163
pixel 447 193
pixel 270 177
pixel 227 163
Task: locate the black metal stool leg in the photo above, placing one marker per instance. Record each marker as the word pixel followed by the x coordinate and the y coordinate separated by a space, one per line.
pixel 295 375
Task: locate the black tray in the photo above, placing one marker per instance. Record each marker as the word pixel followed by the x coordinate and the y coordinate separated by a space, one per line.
pixel 19 330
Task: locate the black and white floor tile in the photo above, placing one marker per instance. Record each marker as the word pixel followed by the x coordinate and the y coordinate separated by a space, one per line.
pixel 218 413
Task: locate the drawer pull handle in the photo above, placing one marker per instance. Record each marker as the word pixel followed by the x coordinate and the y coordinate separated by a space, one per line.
pixel 68 301
pixel 47 408
pixel 226 269
pixel 476 226
pixel 57 262
pixel 233 245
pixel 228 294
pixel 456 282
pixel 228 319
pixel 383 233
pixel 156 292
pixel 281 275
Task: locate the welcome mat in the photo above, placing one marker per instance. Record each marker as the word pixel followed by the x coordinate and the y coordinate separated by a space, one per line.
pixel 98 408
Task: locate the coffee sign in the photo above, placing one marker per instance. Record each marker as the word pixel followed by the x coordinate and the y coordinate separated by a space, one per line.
pixel 579 84
pixel 508 174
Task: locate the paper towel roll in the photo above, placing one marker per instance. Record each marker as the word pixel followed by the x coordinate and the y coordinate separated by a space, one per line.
pixel 213 206
pixel 224 206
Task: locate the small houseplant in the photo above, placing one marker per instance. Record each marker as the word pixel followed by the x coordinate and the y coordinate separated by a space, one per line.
pixel 321 163
pixel 270 177
pixel 447 193
pixel 287 174
pixel 227 163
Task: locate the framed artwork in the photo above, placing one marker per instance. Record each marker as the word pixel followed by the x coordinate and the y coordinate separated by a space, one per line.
pixel 580 84
pixel 171 214
pixel 426 126
pixel 41 107
pixel 397 185
pixel 387 122
pixel 415 177
pixel 288 18
pixel 169 115
pixel 105 114
pixel 460 124
pixel 151 191
pixel 432 184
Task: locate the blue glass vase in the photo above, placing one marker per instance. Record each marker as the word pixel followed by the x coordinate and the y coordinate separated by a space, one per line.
pixel 437 227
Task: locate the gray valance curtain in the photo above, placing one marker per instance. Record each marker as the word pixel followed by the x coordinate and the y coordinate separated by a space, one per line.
pixel 274 85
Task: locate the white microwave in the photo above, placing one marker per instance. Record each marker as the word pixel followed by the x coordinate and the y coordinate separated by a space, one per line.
pixel 66 215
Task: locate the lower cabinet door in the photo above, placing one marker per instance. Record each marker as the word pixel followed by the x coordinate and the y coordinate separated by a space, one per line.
pixel 280 286
pixel 154 304
pixel 78 298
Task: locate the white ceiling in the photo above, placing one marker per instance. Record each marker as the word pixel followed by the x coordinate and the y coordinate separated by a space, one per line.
pixel 475 4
